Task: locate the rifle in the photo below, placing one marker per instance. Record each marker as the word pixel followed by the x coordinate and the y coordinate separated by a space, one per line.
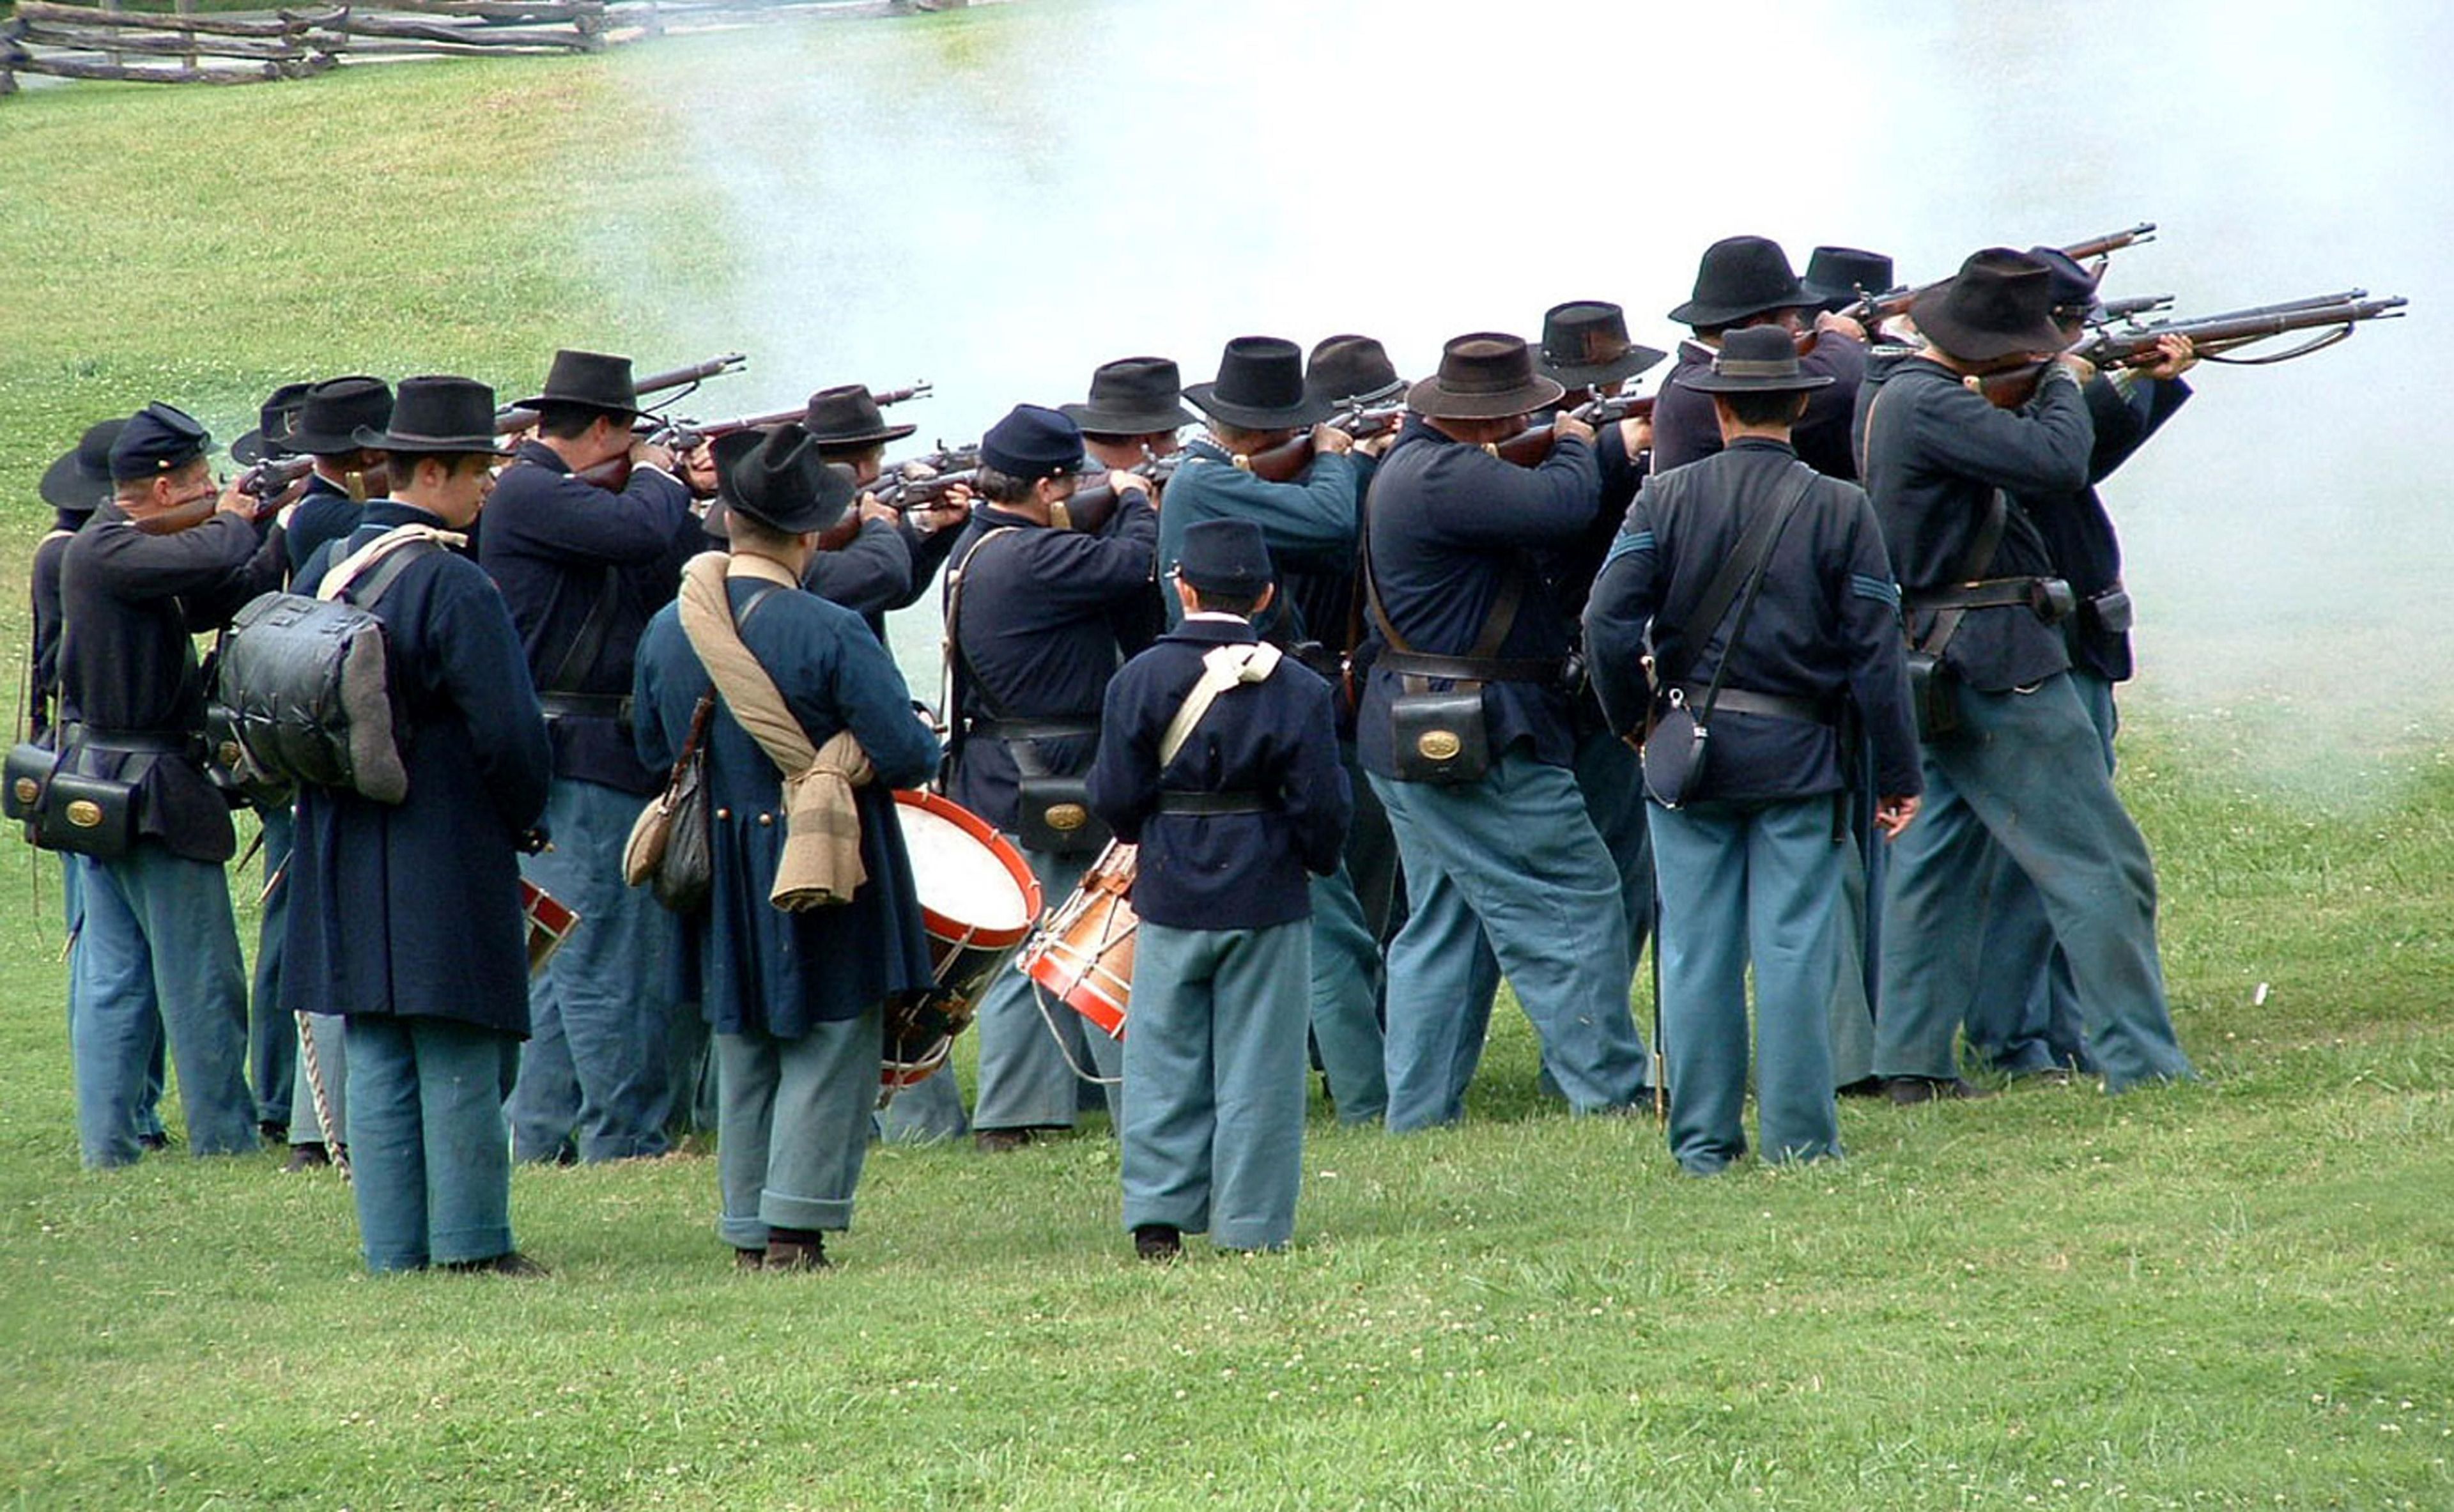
pixel 1873 309
pixel 681 435
pixel 1529 447
pixel 918 482
pixel 511 417
pixel 2334 316
pixel 1286 461
pixel 188 517
pixel 2131 310
pixel 1094 504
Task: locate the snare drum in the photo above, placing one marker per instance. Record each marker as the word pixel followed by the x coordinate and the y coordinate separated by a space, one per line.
pixel 978 901
pixel 1084 953
pixel 550 923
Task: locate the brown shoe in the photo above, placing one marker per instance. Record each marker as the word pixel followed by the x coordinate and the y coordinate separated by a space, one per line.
pixel 796 1254
pixel 1909 1091
pixel 511 1264
pixel 1157 1241
pixel 749 1259
pixel 1000 1141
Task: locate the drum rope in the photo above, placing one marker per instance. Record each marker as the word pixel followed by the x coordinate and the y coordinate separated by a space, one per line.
pixel 1039 995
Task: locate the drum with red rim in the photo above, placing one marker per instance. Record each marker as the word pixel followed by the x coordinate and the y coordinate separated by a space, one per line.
pixel 1084 953
pixel 978 902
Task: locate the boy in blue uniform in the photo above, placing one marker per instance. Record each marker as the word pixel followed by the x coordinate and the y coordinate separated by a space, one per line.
pixel 1218 757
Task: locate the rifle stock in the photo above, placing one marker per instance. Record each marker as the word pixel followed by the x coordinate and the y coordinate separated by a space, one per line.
pixel 1531 447
pixel 1286 461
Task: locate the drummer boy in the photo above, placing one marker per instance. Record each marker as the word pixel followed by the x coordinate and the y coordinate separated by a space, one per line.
pixel 1218 757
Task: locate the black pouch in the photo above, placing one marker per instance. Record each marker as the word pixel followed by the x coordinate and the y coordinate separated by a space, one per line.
pixel 1440 737
pixel 2109 612
pixel 1054 814
pixel 2052 600
pixel 1674 755
pixel 89 814
pixel 1934 693
pixel 28 774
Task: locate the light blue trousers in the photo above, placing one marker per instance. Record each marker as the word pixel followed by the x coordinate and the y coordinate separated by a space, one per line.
pixel 158 954
pixel 2026 771
pixel 148 1114
pixel 1026 1079
pixel 271 1030
pixel 430 1154
pixel 1511 858
pixel 1345 992
pixel 793 1126
pixel 333 1069
pixel 1214 1070
pixel 1743 883
pixel 2024 1015
pixel 597 1067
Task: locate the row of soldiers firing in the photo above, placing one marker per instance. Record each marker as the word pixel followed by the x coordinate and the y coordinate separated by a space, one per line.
pixel 1805 662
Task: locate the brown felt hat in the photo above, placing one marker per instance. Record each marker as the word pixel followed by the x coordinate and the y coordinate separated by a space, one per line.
pixel 1999 305
pixel 1484 376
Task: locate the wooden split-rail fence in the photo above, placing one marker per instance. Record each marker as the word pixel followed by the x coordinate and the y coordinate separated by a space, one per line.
pixel 90 40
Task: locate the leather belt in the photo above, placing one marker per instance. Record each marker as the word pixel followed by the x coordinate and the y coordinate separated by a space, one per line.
pixel 615 706
pixel 1054 727
pixel 1470 669
pixel 1229 802
pixel 132 742
pixel 1992 592
pixel 1769 705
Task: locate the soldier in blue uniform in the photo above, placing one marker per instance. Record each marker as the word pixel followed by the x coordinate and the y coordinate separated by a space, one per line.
pixel 159 949
pixel 1130 420
pixel 405 918
pixel 1469 654
pixel 1032 634
pixel 2023 1016
pixel 1218 757
pixel 77 484
pixel 322 423
pixel 1746 281
pixel 1352 370
pixel 2024 769
pixel 583 567
pixel 1750 861
pixel 1260 401
pixel 797 998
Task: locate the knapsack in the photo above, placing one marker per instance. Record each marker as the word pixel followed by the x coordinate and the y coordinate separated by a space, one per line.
pixel 303 684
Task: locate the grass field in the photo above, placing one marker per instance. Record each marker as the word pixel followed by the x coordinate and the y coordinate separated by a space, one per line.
pixel 2228 1295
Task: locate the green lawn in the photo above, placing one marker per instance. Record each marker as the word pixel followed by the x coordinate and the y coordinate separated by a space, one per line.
pixel 2233 1294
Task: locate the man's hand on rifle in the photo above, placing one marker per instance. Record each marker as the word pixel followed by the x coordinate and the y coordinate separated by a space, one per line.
pixel 872 509
pixel 699 469
pixel 1566 427
pixel 1636 434
pixel 1328 440
pixel 952 508
pixel 2174 355
pixel 2077 367
pixel 647 454
pixel 1841 325
pixel 1121 483
pixel 235 499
